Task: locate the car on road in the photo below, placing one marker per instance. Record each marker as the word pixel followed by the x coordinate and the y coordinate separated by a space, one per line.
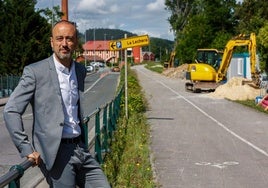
pixel 90 68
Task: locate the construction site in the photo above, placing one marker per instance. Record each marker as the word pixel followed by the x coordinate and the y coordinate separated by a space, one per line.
pixel 224 74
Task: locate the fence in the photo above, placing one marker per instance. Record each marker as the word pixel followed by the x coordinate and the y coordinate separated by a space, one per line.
pixel 8 84
pixel 99 127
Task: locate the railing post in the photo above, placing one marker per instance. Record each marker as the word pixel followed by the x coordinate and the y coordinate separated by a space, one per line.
pixel 98 151
pixel 105 129
pixel 110 120
pixel 16 182
pixel 85 127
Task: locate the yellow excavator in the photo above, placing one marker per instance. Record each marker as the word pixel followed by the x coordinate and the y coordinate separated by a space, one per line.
pixel 211 65
pixel 170 62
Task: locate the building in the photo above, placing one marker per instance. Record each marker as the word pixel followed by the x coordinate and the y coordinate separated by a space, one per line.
pixel 148 56
pixel 99 51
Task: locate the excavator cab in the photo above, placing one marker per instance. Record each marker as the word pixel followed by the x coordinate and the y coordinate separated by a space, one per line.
pixel 211 57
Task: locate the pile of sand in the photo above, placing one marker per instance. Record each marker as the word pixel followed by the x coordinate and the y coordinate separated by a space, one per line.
pixel 235 90
pixel 178 72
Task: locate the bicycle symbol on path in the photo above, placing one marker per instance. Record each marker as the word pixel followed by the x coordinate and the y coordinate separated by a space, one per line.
pixel 218 165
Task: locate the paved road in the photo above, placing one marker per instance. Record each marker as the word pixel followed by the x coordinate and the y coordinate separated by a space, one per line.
pixel 99 89
pixel 201 142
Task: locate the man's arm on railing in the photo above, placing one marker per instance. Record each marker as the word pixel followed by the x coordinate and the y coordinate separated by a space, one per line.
pixel 15 172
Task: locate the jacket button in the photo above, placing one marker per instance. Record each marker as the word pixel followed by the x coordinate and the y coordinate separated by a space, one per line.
pixel 61 124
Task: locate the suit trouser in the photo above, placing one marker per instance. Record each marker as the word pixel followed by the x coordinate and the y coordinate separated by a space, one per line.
pixel 73 166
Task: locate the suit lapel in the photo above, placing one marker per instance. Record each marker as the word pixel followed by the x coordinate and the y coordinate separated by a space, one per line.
pixel 54 76
pixel 79 78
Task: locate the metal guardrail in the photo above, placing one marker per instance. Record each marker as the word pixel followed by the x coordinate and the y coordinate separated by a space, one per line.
pixel 8 84
pixel 103 120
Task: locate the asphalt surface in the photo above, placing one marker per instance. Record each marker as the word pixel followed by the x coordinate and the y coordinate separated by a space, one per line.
pixel 202 142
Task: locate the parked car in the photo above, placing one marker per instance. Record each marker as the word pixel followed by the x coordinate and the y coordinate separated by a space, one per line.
pixel 90 68
pixel 101 64
pixel 115 69
pixel 95 65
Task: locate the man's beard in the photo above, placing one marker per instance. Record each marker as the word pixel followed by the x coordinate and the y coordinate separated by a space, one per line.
pixel 64 56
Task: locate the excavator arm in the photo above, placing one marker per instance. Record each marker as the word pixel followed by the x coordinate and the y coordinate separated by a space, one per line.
pixel 240 40
pixel 170 62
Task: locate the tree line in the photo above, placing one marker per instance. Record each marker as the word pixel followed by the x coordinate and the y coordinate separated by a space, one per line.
pixel 211 23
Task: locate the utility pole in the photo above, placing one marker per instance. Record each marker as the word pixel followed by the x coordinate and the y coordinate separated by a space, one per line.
pixel 126 86
pixel 64 9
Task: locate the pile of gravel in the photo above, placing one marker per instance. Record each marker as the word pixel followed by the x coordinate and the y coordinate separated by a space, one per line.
pixel 235 90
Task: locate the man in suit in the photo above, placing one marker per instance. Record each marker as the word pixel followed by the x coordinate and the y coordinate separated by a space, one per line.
pixel 54 88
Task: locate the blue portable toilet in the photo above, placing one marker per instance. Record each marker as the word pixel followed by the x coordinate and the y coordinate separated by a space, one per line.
pixel 240 66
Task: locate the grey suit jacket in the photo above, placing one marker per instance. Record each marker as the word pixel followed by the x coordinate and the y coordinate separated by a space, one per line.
pixel 39 86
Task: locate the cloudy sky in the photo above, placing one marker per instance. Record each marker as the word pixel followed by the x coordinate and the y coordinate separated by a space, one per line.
pixel 136 16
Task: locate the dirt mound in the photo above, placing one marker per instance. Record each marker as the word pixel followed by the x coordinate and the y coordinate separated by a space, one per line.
pixel 178 72
pixel 235 90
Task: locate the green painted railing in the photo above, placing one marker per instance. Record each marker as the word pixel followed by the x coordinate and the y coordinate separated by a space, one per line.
pixel 8 84
pixel 99 127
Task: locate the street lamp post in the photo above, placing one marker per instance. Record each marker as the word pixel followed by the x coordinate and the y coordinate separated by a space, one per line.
pixel 85 48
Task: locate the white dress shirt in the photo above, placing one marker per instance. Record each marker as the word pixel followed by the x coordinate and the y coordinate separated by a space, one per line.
pixel 69 92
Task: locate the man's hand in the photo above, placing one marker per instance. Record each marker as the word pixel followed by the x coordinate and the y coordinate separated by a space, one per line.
pixel 35 157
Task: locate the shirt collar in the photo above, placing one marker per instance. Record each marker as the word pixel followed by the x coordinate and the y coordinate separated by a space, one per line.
pixel 61 67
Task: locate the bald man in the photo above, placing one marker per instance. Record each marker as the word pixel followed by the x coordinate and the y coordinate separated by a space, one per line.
pixel 54 87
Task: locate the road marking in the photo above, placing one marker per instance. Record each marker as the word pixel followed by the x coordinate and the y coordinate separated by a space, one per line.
pixel 218 165
pixel 210 117
pixel 101 76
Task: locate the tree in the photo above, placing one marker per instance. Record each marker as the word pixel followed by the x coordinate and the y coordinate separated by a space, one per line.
pixel 52 16
pixel 252 15
pixel 204 22
pixel 25 39
pixel 180 13
pixel 263 47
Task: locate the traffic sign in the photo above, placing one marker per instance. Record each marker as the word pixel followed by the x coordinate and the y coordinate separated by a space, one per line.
pixel 142 40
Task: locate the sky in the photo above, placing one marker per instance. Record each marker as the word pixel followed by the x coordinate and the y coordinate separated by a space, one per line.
pixel 136 16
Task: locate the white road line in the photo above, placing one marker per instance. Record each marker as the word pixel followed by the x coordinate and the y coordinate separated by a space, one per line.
pixel 213 119
pixel 102 76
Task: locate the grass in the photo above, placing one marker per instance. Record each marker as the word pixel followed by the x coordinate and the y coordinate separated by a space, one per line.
pixel 252 104
pixel 156 67
pixel 129 164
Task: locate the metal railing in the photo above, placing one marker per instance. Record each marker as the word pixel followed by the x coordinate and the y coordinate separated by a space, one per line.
pixel 8 84
pixel 99 127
